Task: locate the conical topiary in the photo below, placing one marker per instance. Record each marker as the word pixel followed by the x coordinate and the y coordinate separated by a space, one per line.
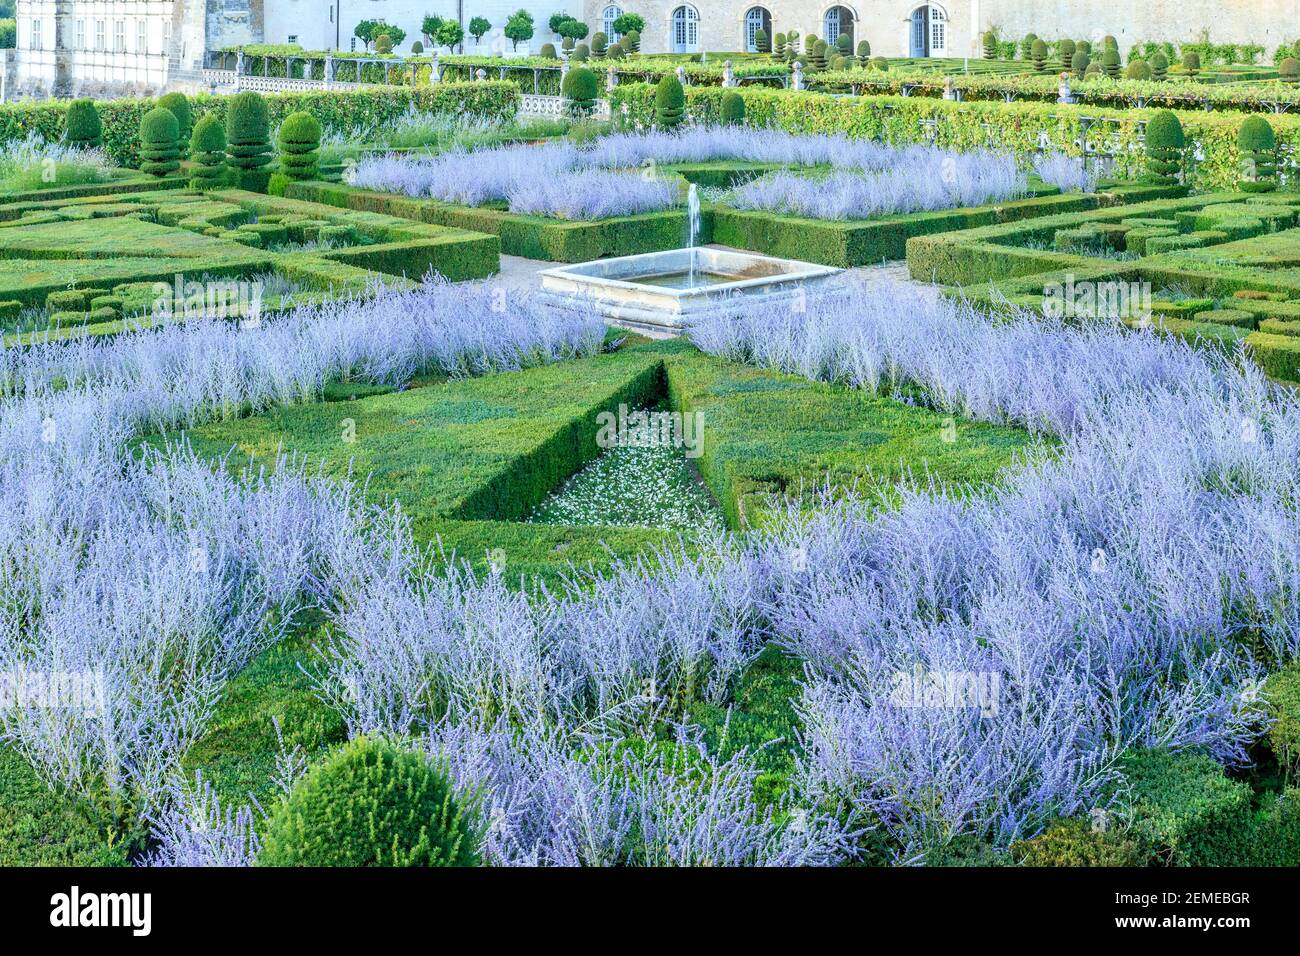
pixel 159 150
pixel 248 140
pixel 1258 146
pixel 300 146
pixel 1165 143
pixel 178 105
pixel 762 44
pixel 670 103
pixel 84 130
pixel 208 150
pixel 990 40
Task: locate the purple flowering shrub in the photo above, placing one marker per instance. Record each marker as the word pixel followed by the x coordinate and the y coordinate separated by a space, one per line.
pixel 1067 173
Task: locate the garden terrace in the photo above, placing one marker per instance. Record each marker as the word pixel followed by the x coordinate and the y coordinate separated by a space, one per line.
pixel 1221 267
pixel 57 257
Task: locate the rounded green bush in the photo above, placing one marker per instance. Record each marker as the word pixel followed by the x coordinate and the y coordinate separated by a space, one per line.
pixel 864 52
pixel 1165 142
pixel 208 150
pixel 616 51
pixel 300 146
pixel 1084 47
pixel 632 41
pixel 1289 70
pixel 1192 62
pixel 670 103
pixel 880 63
pixel 581 53
pixel 580 91
pixel 1159 67
pixel 844 43
pixel 1138 70
pixel 547 52
pixel 1093 71
pixel 159 148
pixel 599 44
pixel 383 43
pixel 84 130
pixel 369 804
pixel 1258 146
pixel 178 105
pixel 248 140
pixel 417 48
pixel 1110 62
pixel 1079 63
pixel 732 109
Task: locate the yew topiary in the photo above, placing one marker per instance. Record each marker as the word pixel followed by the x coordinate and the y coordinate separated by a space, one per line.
pixel 370 804
pixel 248 140
pixel 864 53
pixel 732 109
pixel 1066 52
pixel 1138 70
pixel 581 53
pixel 1159 67
pixel 580 91
pixel 762 43
pixel 208 150
pixel 632 41
pixel 1289 70
pixel 1165 143
pixel 1110 62
pixel 159 149
pixel 670 103
pixel 547 52
pixel 84 130
pixel 990 40
pixel 300 146
pixel 1192 62
pixel 1079 63
pixel 1038 53
pixel 178 105
pixel 1258 146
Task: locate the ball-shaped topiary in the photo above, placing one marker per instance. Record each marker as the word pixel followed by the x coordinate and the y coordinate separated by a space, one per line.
pixel 616 51
pixel 300 146
pixel 1079 63
pixel 599 45
pixel 84 130
pixel 732 109
pixel 1110 62
pixel 179 106
pixel 580 90
pixel 1085 46
pixel 1289 70
pixel 248 140
pixel 1165 142
pixel 1257 144
pixel 159 149
pixel 208 150
pixel 383 43
pixel 1159 67
pixel 670 103
pixel 1138 70
pixel 581 53
pixel 1038 53
pixel 880 63
pixel 369 804
pixel 1065 50
pixel 1093 72
pixel 547 52
pixel 1192 62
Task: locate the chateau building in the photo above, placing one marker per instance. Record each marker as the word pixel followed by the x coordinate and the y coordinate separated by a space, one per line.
pixel 94 47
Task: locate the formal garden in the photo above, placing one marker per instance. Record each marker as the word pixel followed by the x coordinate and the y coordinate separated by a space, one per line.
pixel 333 535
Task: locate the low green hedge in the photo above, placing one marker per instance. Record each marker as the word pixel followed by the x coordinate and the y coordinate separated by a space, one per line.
pixel 1278 355
pixel 1282 695
pixel 456 256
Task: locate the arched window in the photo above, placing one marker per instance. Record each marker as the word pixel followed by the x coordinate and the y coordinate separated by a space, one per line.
pixel 686 30
pixel 757 18
pixel 929 31
pixel 837 22
pixel 608 16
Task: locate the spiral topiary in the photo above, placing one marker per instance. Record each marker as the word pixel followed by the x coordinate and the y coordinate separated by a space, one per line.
pixel 1165 143
pixel 369 804
pixel 84 130
pixel 178 105
pixel 1079 63
pixel 300 146
pixel 547 52
pixel 208 150
pixel 1289 70
pixel 1258 146
pixel 990 43
pixel 1065 50
pixel 1038 53
pixel 159 150
pixel 670 103
pixel 1159 67
pixel 248 140
pixel 762 43
pixel 580 90
pixel 732 109
pixel 1110 62
pixel 821 54
pixel 778 47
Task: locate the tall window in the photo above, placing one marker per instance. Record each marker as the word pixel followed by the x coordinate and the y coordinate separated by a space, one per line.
pixel 608 16
pixel 756 19
pixel 79 36
pixel 38 41
pixel 929 31
pixel 100 42
pixel 686 30
pixel 837 22
pixel 119 36
pixel 938 31
pixel 141 36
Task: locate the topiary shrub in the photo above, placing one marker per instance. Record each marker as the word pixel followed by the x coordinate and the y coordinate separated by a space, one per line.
pixel 1038 53
pixel 732 109
pixel 1079 64
pixel 1066 52
pixel 369 804
pixel 580 91
pixel 1192 62
pixel 616 51
pixel 1159 68
pixel 864 53
pixel 1165 143
pixel 880 63
pixel 1289 70
pixel 383 43
pixel 547 52
pixel 778 47
pixel 1138 70
pixel 820 54
pixel 1084 47
pixel 300 146
pixel 417 48
pixel 632 41
pixel 581 53
pixel 990 40
pixel 208 150
pixel 248 140
pixel 1027 46
pixel 599 45
pixel 761 42
pixel 159 150
pixel 1110 63
pixel 84 130
pixel 670 103
pixel 179 106
pixel 844 44
pixel 1258 146
pixel 1093 72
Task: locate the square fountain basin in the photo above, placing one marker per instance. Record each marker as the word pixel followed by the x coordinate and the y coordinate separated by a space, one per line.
pixel 660 291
